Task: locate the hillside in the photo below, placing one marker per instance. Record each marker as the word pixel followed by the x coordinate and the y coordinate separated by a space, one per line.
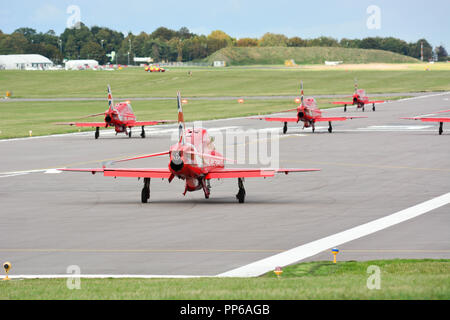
pixel 304 55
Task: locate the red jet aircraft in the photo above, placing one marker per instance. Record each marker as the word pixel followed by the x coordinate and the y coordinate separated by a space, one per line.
pixel 427 118
pixel 194 160
pixel 359 99
pixel 308 113
pixel 119 116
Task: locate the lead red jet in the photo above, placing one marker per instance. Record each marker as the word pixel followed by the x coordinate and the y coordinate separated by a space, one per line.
pixel 193 159
pixel 120 116
pixel 359 99
pixel 307 113
pixel 427 118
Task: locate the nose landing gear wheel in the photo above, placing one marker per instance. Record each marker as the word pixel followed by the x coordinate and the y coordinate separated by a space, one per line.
pixel 345 108
pixel 285 128
pixel 373 107
pixel 143 133
pixel 97 132
pixel 330 128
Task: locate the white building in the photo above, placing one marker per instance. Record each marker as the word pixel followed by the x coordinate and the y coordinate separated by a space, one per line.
pixel 24 62
pixel 81 64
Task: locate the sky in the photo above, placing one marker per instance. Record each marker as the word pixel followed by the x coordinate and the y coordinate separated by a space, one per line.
pixel 407 20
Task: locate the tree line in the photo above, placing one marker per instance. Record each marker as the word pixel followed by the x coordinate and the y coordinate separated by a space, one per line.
pixel 165 44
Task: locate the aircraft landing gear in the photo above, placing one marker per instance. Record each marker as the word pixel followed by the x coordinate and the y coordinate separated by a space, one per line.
pixel 345 108
pixel 241 193
pixel 206 188
pixel 373 107
pixel 441 129
pixel 145 194
pixel 285 128
pixel 129 133
pixel 143 133
pixel 330 128
pixel 362 106
pixel 97 132
pixel 313 127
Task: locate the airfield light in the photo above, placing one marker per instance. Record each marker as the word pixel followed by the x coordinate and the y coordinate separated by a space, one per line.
pixel 334 251
pixel 7 267
pixel 278 271
pixel 241 100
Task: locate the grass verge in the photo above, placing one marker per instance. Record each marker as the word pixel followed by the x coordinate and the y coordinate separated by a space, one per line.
pixel 400 279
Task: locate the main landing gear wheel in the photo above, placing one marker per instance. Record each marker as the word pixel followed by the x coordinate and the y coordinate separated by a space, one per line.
pixel 241 193
pixel 129 133
pixel 206 188
pixel 285 128
pixel 313 127
pixel 441 129
pixel 143 133
pixel 362 106
pixel 345 108
pixel 330 128
pixel 373 107
pixel 145 194
pixel 97 132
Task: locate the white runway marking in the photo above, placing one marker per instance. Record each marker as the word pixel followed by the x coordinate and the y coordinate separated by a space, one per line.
pixel 310 249
pixel 394 128
pixel 100 276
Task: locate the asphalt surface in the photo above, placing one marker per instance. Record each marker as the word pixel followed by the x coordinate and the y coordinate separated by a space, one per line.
pixel 370 168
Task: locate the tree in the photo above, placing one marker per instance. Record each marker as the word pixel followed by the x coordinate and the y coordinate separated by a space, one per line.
pixel 441 53
pixel 296 42
pixel 273 40
pixel 92 50
pixel 217 40
pixel 414 49
pixel 164 33
pixel 247 42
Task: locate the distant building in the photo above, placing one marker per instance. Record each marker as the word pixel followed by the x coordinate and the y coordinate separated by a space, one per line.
pixel 81 64
pixel 24 62
pixel 219 64
pixel 143 59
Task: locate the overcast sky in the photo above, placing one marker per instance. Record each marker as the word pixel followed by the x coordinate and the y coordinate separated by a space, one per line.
pixel 407 20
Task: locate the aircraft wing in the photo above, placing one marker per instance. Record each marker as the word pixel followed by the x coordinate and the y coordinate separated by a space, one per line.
pixel 292 119
pixel 84 124
pixel 342 102
pixel 336 118
pixel 434 119
pixel 126 172
pixel 250 173
pixel 150 123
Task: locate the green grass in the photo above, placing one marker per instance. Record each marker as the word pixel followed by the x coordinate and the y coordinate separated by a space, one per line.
pixel 214 82
pixel 400 279
pixel 19 117
pixel 305 55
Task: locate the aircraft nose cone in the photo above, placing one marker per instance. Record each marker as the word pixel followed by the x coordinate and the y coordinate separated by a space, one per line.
pixel 176 164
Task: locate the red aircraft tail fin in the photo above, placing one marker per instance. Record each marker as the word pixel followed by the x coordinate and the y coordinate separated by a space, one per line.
pixel 110 99
pixel 356 85
pixel 301 92
pixel 180 119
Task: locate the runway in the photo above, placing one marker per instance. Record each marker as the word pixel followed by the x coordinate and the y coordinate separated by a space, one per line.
pixel 370 169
